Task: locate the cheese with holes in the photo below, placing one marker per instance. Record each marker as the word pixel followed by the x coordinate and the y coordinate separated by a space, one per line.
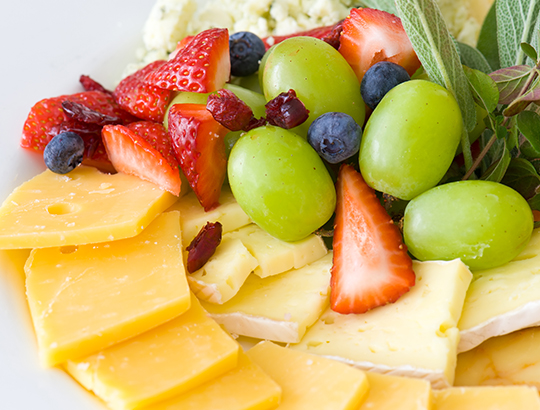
pixel 310 382
pixel 246 387
pixel 503 299
pixel 86 298
pixel 81 207
pixel 276 256
pixel 393 392
pixel 502 360
pixel 416 336
pixel 171 359
pixel 225 272
pixel 487 398
pixel 280 307
pixel 193 217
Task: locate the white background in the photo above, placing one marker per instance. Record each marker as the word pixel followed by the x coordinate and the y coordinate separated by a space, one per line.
pixel 46 45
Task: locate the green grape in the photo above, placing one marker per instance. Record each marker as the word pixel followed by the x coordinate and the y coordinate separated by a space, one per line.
pixel 484 223
pixel 320 76
pixel 410 139
pixel 281 182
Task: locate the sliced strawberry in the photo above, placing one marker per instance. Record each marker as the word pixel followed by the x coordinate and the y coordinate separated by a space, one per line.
pixel 47 114
pixel 318 32
pixel 143 100
pixel 370 36
pixel 132 154
pixel 202 66
pixel 181 44
pixel 371 266
pixel 198 141
pixel 156 135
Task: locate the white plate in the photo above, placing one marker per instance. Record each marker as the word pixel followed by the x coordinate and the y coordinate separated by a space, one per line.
pixel 46 46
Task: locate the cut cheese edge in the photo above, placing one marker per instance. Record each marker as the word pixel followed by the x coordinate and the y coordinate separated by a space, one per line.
pixel 503 299
pixel 416 336
pixel 81 207
pixel 246 387
pixel 502 360
pixel 487 398
pixel 86 298
pixel 280 307
pixel 171 359
pixel 310 382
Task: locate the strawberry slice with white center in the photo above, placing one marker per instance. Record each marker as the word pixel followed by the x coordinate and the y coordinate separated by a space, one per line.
pixel 371 266
pixel 370 36
pixel 198 141
pixel 135 150
pixel 202 66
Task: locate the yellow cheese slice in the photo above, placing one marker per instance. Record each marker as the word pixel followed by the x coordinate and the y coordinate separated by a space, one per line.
pixel 310 382
pixel 416 336
pixel 161 363
pixel 280 307
pixel 502 360
pixel 393 392
pixel 276 256
pixel 84 206
pixel 193 217
pixel 503 299
pixel 246 387
pixel 487 398
pixel 225 272
pixel 86 298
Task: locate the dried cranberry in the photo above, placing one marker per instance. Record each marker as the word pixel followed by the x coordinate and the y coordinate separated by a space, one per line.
pixel 87 115
pixel 203 246
pixel 332 38
pixel 90 84
pixel 286 110
pixel 229 110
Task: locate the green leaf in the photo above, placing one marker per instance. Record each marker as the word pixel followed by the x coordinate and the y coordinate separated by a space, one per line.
pixel 487 39
pixel 529 51
pixel 497 170
pixel 484 89
pixel 510 82
pixel 434 46
pixel 473 58
pixel 516 22
pixel 385 5
pixel 522 102
pixel 528 123
pixel 522 176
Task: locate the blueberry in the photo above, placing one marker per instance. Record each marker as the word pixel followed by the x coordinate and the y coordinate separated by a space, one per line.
pixel 379 79
pixel 335 136
pixel 64 152
pixel 246 50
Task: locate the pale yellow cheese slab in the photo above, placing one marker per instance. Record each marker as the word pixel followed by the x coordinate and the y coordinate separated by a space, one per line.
pixel 193 217
pixel 502 360
pixel 487 398
pixel 280 307
pixel 84 206
pixel 275 256
pixel 86 298
pixel 225 272
pixel 171 359
pixel 416 336
pixel 396 393
pixel 246 387
pixel 310 382
pixel 503 299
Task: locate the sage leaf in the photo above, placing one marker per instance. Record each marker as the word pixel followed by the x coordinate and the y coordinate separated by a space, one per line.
pixel 385 5
pixel 516 23
pixel 473 58
pixel 484 89
pixel 522 176
pixel 529 51
pixel 436 50
pixel 499 167
pixel 510 81
pixel 523 101
pixel 487 39
pixel 528 123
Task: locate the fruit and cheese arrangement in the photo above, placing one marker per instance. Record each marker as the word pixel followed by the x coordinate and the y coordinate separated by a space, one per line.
pixel 338 218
